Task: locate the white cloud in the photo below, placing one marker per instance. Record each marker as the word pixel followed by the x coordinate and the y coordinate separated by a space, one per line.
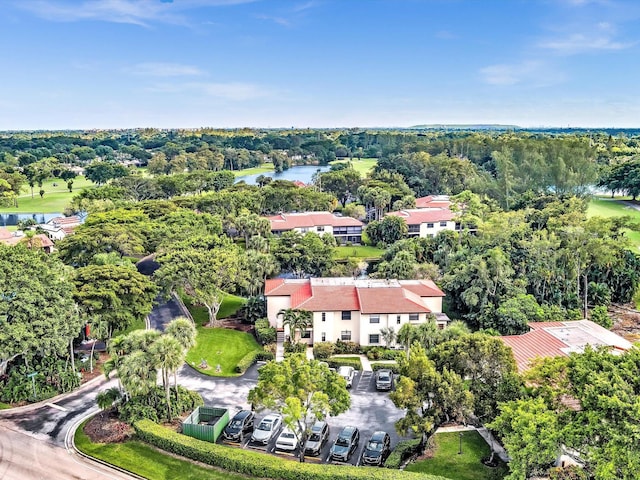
pixel 531 73
pixel 137 12
pixel 581 43
pixel 153 69
pixel 232 91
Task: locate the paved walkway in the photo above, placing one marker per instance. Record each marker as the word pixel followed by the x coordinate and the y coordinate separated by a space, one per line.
pixel 484 433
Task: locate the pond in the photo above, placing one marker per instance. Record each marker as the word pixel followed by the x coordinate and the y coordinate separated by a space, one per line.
pixel 302 173
pixel 10 219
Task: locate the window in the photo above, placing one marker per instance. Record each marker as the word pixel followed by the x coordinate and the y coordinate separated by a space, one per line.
pixel 346 315
pixel 306 334
pixel 374 318
pixel 321 229
pixel 429 225
pixel 324 317
pixel 345 335
pixel 324 336
pixel 398 320
pixel 443 224
pixel 414 229
pixel 374 339
pixel 414 317
pixel 441 326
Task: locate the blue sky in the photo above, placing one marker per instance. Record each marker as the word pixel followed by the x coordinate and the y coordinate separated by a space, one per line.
pixel 318 63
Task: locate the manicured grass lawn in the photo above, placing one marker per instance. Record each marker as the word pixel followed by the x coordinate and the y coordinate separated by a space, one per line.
pixel 614 208
pixel 146 461
pixel 448 463
pixel 264 168
pixel 362 166
pixel 219 346
pixel 54 200
pixel 4 406
pixel 357 251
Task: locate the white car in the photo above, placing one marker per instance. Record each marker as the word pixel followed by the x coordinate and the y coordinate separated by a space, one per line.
pixel 287 441
pixel 348 373
pixel 267 428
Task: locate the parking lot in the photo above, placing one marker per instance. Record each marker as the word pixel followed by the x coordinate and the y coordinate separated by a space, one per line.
pixel 370 410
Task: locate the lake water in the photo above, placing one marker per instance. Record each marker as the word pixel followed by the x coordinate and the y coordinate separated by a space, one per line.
pixel 302 173
pixel 10 219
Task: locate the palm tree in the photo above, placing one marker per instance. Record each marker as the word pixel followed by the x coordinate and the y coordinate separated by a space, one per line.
pixel 138 373
pixel 106 398
pixel 168 354
pixel 183 330
pixel 388 335
pixel 406 335
pixel 297 319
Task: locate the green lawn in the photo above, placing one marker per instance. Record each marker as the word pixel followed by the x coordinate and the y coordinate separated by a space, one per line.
pixel 219 346
pixel 54 200
pixel 139 325
pixel 362 166
pixel 448 463
pixel 357 251
pixel 146 461
pixel 603 207
pixel 4 406
pixel 264 168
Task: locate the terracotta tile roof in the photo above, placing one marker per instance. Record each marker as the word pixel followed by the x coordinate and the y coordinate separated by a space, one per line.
pixel 338 297
pixel 418 216
pixel 554 339
pixel 422 288
pixel 40 240
pixel 61 221
pixel 289 221
pixel 388 300
pixel 430 201
pixel 531 345
pixel 367 296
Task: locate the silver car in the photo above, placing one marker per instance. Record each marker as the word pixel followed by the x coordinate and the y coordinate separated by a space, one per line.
pixel 318 437
pixel 267 429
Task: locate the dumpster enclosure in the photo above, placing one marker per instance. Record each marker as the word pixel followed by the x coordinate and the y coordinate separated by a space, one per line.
pixel 206 423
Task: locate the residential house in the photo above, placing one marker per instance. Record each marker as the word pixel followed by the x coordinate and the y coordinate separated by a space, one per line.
pixel 37 241
pixel 355 310
pixel 344 229
pixel 555 339
pixel 60 227
pixel 427 222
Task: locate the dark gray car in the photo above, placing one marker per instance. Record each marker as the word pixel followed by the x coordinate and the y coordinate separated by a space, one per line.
pixel 345 444
pixel 377 449
pixel 317 438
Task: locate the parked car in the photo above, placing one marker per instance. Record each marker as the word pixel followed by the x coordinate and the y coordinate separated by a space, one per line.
pixel 347 373
pixel 267 428
pixel 287 441
pixel 377 449
pixel 318 437
pixel 241 423
pixel 384 379
pixel 345 444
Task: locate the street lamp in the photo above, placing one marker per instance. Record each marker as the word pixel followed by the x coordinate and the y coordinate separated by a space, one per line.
pixel 460 448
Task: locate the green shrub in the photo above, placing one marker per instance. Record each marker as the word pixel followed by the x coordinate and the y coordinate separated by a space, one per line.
pixel 154 405
pixel 246 361
pixel 323 350
pixel 390 366
pixel 600 315
pixel 403 450
pixel 259 465
pixel 381 353
pixel 290 347
pixel 265 356
pixel 265 333
pixel 336 362
pixel 346 347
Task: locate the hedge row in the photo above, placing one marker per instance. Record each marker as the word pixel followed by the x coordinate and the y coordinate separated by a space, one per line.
pixel 336 362
pixel 375 366
pixel 260 465
pixel 265 333
pixel 252 357
pixel 403 450
pixel 381 353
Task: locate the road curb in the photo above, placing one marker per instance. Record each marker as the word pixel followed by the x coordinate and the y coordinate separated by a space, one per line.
pixel 70 446
pixel 34 406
